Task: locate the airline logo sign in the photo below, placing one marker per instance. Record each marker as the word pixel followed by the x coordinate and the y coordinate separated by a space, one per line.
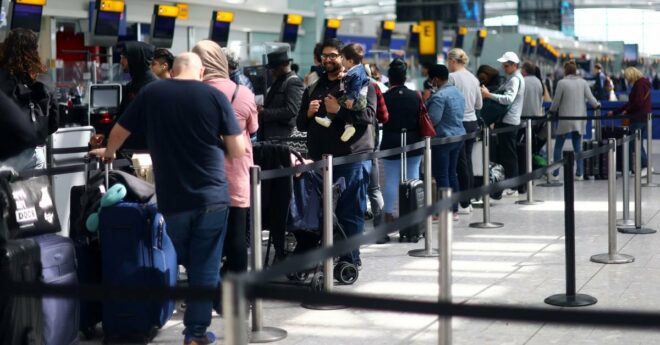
pixel 427 39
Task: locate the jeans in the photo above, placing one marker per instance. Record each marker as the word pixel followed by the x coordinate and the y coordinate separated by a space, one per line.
pixel 444 162
pixel 352 203
pixel 576 138
pixel 32 158
pixel 634 126
pixel 464 169
pixel 393 178
pixel 374 193
pixel 198 237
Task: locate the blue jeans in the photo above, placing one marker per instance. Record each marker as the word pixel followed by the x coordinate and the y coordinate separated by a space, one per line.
pixel 352 203
pixel 198 237
pixel 634 126
pixel 393 177
pixel 444 162
pixel 576 138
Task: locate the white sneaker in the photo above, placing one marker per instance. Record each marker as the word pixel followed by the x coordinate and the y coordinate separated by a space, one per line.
pixel 323 121
pixel 349 131
pixel 455 217
pixel 579 178
pixel 464 210
pixel 645 172
pixel 510 192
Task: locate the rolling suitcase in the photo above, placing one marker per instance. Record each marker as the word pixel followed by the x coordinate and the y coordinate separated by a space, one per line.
pixel 58 267
pixel 136 251
pixel 411 198
pixel 21 318
pixel 589 162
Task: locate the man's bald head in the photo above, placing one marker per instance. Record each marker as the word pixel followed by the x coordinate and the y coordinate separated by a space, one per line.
pixel 188 66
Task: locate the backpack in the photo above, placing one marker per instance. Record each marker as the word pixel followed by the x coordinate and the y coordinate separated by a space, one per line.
pixel 493 111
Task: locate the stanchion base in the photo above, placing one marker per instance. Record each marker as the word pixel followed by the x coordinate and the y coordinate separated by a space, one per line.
pixel 650 185
pixel 563 300
pixel 267 335
pixel 550 184
pixel 637 231
pixel 529 202
pixel 421 253
pixel 490 225
pixel 323 306
pixel 625 223
pixel 612 258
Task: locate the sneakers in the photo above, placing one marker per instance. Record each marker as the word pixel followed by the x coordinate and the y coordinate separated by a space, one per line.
pixel 207 339
pixel 510 192
pixel 455 216
pixel 579 178
pixel 645 172
pixel 323 121
pixel 464 210
pixel 349 131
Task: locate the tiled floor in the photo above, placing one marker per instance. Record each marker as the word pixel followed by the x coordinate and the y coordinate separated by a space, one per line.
pixel 519 264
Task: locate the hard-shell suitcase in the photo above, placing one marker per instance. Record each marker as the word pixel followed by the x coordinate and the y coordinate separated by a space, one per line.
pixel 411 198
pixel 21 318
pixel 136 251
pixel 58 267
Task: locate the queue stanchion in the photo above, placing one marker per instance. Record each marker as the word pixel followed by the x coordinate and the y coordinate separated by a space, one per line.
pixel 611 257
pixel 444 273
pixel 649 153
pixel 571 298
pixel 638 229
pixel 428 250
pixel 259 333
pixel 234 304
pixel 550 182
pixel 324 280
pixel 528 151
pixel 486 224
pixel 626 221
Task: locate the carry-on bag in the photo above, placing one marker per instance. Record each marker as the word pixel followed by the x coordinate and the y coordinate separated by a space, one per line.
pixel 411 198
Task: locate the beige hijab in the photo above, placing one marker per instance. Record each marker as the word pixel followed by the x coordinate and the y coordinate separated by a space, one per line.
pixel 213 59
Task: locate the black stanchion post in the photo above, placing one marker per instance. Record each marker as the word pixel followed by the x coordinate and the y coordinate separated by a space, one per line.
pixel 649 153
pixel 444 274
pixel 638 229
pixel 528 152
pixel 428 250
pixel 259 333
pixel 611 257
pixel 571 298
pixel 625 221
pixel 486 224
pixel 233 311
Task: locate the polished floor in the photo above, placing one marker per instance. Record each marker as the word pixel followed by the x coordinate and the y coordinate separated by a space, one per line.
pixel 520 264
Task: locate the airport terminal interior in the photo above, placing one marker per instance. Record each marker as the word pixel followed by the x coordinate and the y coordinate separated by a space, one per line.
pixel 348 172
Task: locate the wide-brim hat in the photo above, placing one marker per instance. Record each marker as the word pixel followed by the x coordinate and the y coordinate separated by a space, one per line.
pixel 277 58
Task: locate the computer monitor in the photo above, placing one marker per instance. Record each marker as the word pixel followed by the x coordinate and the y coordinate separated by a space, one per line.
pixel 26 16
pixel 220 32
pixel 107 23
pixel 106 96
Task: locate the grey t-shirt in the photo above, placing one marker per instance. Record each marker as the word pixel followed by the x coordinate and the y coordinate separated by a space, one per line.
pixel 468 85
pixel 533 100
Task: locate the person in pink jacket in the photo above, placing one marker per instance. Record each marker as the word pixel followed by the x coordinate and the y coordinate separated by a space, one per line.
pixel 216 74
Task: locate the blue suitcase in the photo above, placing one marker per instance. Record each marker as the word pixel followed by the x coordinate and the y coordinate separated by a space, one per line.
pixel 136 251
pixel 58 267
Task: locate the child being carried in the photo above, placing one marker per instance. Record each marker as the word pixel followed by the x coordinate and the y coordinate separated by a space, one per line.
pixel 353 87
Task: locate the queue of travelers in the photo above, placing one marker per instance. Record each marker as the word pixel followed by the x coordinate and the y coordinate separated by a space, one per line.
pixel 196 112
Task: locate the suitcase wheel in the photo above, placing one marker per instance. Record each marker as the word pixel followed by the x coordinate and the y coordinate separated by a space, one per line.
pixel 413 239
pixel 346 273
pixel 317 282
pixel 298 276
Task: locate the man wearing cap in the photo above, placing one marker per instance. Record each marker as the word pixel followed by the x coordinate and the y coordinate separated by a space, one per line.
pixel 277 117
pixel 511 94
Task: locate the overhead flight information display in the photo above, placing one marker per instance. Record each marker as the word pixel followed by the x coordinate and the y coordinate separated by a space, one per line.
pixel 450 12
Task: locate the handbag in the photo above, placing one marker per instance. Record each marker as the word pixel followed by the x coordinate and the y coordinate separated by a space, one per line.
pixel 426 128
pixel 26 207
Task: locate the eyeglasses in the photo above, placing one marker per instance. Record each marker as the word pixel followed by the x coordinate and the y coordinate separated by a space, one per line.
pixel 332 56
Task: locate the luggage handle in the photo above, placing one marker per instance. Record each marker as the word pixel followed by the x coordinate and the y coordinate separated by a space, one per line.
pixel 404 157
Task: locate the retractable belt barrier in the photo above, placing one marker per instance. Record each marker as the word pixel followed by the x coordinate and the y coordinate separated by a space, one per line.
pixel 117 164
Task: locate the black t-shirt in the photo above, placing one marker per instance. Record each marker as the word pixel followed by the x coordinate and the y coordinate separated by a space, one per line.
pixel 183 121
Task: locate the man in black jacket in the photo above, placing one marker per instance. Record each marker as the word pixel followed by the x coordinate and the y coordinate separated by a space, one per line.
pixel 318 100
pixel 136 60
pixel 277 117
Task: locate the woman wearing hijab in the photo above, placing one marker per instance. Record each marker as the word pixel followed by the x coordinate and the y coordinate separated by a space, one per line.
pixel 216 74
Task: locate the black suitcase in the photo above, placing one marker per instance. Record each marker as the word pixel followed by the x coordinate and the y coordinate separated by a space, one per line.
pixel 589 162
pixel 21 318
pixel 61 315
pixel 411 198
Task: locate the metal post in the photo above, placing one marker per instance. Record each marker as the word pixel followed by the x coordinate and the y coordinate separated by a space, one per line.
pixel 428 250
pixel 611 257
pixel 233 311
pixel 638 229
pixel 528 151
pixel 259 333
pixel 486 224
pixel 327 223
pixel 570 298
pixel 549 156
pixel 649 153
pixel 625 166
pixel 444 274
